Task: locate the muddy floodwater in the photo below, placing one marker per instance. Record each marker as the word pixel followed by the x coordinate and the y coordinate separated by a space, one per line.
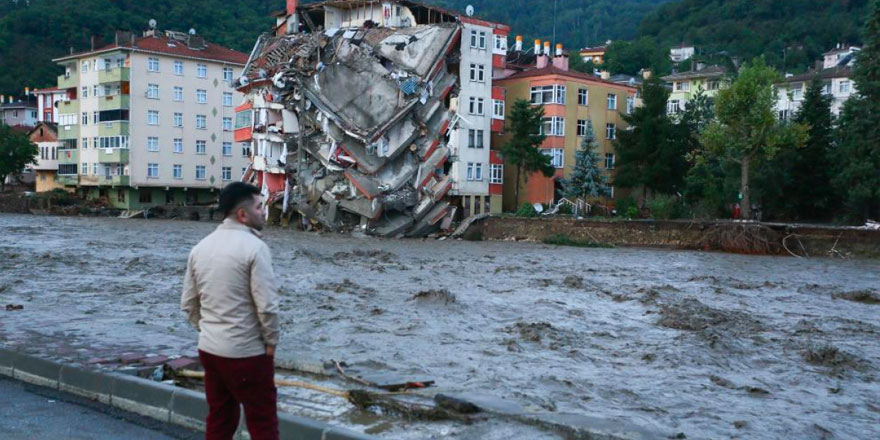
pixel 709 345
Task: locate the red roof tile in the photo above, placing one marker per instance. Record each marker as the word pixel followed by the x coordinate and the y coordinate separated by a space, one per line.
pixel 160 44
pixel 553 70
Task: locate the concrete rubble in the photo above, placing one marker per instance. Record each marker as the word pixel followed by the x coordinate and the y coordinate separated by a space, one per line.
pixel 349 126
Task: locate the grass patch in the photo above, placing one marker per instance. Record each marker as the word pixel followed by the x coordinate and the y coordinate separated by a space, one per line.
pixel 565 240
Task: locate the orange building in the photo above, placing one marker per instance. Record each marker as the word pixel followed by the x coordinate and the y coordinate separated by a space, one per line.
pixel 571 100
pixel 596 55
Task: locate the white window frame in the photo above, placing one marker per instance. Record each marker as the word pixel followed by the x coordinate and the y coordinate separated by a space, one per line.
pixel 498 108
pixel 202 70
pixel 152 91
pixel 609 157
pixel 226 173
pixel 227 99
pixel 500 42
pixel 178 68
pixel 581 127
pixel 470 171
pixel 844 87
pixel 201 122
pixel 227 149
pixel 477 72
pixel 548 94
pixel 584 97
pixel 496 173
pixel 201 147
pixel 153 144
pixel 177 171
pixel 557 156
pixel 478 171
pixel 610 131
pixel 673 106
pixel 227 123
pixel 201 96
pixel 553 126
pixel 152 64
pixel 612 101
pixel 150 115
pixel 682 86
pixel 178 145
pixel 177 94
pixel 203 172
pixel 178 119
pixel 152 171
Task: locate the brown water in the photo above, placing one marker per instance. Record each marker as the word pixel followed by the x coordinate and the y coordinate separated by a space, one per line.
pixel 711 345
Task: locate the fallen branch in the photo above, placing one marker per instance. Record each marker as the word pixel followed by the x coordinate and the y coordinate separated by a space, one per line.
pixel 786 246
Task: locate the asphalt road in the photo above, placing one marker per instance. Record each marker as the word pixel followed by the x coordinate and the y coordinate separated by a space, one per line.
pixel 31 412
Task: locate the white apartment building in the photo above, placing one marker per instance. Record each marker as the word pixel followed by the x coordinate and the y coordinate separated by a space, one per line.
pixel 680 53
pixel 836 77
pixel 150 120
pixel 47 100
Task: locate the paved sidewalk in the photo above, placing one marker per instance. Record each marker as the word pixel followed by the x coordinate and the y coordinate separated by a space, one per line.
pixel 32 412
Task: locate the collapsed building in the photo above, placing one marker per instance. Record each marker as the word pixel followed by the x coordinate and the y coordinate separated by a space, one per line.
pixel 354 115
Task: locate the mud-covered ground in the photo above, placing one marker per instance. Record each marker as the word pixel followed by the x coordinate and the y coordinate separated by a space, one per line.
pixel 706 344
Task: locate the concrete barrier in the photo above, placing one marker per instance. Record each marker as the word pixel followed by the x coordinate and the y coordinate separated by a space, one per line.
pixel 166 403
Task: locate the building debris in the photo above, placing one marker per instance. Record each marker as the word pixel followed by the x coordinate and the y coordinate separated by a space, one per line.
pixel 349 125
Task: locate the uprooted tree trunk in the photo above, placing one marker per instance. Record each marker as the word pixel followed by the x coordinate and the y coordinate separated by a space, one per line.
pixel 752 239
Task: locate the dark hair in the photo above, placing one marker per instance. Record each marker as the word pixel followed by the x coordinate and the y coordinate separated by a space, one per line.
pixel 233 194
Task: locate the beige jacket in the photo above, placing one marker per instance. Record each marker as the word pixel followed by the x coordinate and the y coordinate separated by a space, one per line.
pixel 230 294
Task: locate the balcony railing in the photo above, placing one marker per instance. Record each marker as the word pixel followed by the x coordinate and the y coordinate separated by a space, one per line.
pixel 68 81
pixel 68 132
pixel 113 155
pixel 115 74
pixel 114 128
pixel 71 106
pixel 68 156
pixel 114 102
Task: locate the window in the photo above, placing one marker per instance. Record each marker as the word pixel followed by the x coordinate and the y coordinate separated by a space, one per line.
pixel 682 86
pixel 201 70
pixel 610 131
pixel 153 64
pixel 153 143
pixel 783 115
pixel 609 161
pixel 553 126
pixel 844 87
pixel 85 92
pixel 245 149
pixel 95 117
pixel 108 91
pixel 200 147
pixel 612 101
pixel 673 106
pixel 474 171
pixel 714 85
pixel 178 119
pixel 556 156
pixel 583 96
pixel 177 171
pixel 227 99
pixel 478 72
pixel 227 124
pixel 200 172
pixel 85 68
pixel 178 67
pixel 227 74
pixel 496 173
pixel 145 196
pixel 227 149
pixel 152 171
pixel 85 168
pixel 476 106
pixel 226 173
pixel 178 145
pixel 797 94
pixel 113 142
pixel 201 122
pixel 178 94
pixel 552 94
pixel 85 142
pixel 478 39
pixel 66 169
pixel 582 127
pixel 95 90
pixel 498 108
pixel 630 104
pixel 475 138
pixel 501 43
pixel 85 118
pixel 201 96
pixel 153 117
pixel 153 91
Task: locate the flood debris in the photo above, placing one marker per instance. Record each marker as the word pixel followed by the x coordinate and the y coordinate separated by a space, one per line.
pixel 827 355
pixel 350 125
pixel 754 239
pixel 12 307
pixel 437 296
pixel 863 296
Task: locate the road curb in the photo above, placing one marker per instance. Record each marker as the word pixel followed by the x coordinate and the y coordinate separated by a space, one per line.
pixel 163 402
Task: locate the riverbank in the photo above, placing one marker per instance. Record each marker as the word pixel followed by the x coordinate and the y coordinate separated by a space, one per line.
pixel 730 236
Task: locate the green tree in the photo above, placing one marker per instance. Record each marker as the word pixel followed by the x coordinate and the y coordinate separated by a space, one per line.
pixel 630 57
pixel 521 151
pixel 746 128
pixel 859 130
pixel 587 179
pixel 647 154
pixel 16 151
pixel 810 193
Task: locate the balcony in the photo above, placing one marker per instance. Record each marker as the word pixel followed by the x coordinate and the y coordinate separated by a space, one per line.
pixel 67 180
pixel 68 157
pixel 115 74
pixel 113 180
pixel 115 128
pixel 68 132
pixel 114 102
pixel 65 107
pixel 68 81
pixel 113 155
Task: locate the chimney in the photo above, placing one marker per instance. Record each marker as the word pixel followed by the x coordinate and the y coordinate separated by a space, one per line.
pixel 604 74
pixel 646 73
pixel 700 66
pixel 560 61
pixel 547 48
pixel 93 42
pixel 559 49
pixel 2 99
pixel 537 47
pixel 291 7
pixel 292 18
pixel 519 41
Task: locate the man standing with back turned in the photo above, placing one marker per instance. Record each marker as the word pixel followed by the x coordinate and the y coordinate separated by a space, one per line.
pixel 230 296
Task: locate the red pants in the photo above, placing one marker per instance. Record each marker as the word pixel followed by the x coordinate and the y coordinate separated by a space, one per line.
pixel 247 381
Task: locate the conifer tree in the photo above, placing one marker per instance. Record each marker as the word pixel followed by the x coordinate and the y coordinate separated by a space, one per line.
pixel 587 178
